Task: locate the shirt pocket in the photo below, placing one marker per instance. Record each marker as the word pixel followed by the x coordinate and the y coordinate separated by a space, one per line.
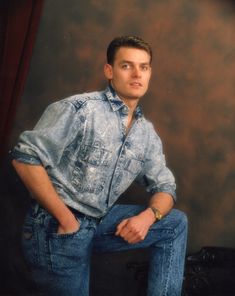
pixel 95 155
pixel 133 165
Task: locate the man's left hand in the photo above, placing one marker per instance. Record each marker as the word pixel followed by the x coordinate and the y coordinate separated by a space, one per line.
pixel 134 229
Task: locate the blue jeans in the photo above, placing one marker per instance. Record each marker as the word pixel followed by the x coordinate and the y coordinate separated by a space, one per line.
pixel 60 263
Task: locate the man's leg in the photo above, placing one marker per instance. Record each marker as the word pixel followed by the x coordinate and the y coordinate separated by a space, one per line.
pixel 166 240
pixel 59 263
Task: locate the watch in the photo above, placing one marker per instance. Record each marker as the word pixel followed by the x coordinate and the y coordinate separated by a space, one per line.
pixel 157 213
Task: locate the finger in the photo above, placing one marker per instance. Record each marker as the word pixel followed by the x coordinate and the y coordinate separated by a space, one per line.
pixel 121 226
pixel 126 231
pixel 130 237
pixel 134 241
pixel 129 234
pixel 134 238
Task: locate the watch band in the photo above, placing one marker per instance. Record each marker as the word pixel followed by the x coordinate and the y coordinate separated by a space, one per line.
pixel 157 213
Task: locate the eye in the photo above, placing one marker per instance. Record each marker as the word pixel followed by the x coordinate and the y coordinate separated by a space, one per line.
pixel 145 67
pixel 125 66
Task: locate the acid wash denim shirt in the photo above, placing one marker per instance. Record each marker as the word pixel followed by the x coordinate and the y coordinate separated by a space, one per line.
pixel 83 144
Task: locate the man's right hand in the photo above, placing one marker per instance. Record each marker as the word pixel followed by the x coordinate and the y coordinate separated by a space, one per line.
pixel 71 227
pixel 37 181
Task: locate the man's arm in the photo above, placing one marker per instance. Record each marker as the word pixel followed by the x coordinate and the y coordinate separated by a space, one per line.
pixel 157 178
pixel 135 229
pixel 38 183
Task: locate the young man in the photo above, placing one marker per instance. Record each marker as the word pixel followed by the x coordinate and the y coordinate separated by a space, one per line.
pixel 84 152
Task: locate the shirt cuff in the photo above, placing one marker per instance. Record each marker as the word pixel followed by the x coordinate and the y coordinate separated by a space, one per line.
pixel 25 158
pixel 167 189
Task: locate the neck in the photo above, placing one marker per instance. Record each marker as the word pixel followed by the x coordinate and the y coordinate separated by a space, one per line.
pixel 130 103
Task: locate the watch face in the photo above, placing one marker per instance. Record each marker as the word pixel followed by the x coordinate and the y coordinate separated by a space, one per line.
pixel 157 213
pixel 158 216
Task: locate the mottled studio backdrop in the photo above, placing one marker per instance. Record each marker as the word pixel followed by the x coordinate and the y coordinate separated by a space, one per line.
pixel 191 100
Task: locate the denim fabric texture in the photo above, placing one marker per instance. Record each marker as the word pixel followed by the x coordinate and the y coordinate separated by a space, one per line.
pixel 60 262
pixel 89 156
pixel 91 159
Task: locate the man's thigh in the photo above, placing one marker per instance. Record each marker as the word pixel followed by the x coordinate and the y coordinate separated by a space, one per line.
pixel 59 263
pixel 105 239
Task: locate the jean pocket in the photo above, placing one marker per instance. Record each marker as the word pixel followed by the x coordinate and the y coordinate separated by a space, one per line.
pixel 68 251
pixel 53 226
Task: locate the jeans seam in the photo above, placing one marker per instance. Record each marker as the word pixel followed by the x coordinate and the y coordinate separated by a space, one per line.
pixel 176 234
pixel 168 270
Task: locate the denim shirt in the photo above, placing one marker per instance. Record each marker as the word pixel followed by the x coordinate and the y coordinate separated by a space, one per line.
pixel 83 144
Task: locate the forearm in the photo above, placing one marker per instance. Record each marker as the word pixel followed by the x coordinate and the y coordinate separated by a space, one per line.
pixel 161 201
pixel 38 183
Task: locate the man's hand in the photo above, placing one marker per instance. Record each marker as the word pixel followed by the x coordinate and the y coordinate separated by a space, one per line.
pixel 135 229
pixel 37 181
pixel 71 227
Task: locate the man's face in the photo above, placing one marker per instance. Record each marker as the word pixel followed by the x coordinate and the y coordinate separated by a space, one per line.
pixel 130 73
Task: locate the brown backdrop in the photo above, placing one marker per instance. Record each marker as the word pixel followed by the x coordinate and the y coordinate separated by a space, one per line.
pixel 191 100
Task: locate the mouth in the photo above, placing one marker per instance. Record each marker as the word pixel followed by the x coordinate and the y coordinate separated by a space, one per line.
pixel 135 84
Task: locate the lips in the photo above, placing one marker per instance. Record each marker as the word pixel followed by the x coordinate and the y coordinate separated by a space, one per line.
pixel 136 84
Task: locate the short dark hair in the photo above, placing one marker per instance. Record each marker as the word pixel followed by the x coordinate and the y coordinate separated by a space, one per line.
pixel 126 41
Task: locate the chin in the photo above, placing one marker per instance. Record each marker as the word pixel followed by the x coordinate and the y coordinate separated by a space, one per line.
pixel 137 94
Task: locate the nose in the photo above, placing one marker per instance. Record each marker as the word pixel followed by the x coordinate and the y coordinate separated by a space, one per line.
pixel 136 72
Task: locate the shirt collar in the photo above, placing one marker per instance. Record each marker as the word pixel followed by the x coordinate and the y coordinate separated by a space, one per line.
pixel 116 103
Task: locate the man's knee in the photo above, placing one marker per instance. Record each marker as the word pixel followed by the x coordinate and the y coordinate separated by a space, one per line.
pixel 181 220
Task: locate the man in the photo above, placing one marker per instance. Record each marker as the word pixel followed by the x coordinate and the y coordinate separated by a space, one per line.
pixel 84 152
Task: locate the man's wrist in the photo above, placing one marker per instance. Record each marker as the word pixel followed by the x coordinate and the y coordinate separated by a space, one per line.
pixel 149 216
pixel 67 218
pixel 156 212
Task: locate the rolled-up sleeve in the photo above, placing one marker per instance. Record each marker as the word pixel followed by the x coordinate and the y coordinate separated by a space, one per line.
pixel 44 145
pixel 156 176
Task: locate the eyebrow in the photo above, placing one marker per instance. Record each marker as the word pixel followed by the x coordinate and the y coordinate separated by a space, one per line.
pixel 130 62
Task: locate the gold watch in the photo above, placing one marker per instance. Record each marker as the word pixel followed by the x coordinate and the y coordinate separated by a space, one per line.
pixel 157 213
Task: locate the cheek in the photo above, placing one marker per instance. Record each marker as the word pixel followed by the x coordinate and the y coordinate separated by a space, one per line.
pixel 148 79
pixel 120 79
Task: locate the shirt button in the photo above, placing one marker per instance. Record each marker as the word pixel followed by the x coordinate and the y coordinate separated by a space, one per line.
pixel 125 110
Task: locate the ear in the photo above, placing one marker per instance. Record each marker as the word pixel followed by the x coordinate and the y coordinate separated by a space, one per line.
pixel 108 71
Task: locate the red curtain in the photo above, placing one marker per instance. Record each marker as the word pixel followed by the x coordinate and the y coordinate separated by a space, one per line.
pixel 19 22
